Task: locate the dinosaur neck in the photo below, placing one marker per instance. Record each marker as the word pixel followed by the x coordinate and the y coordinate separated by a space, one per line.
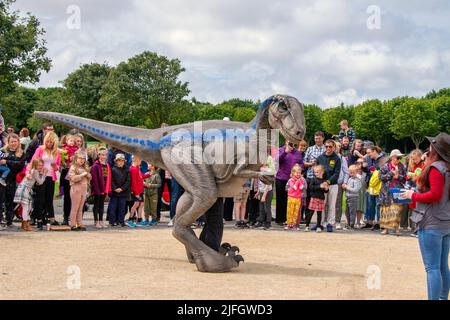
pixel 261 120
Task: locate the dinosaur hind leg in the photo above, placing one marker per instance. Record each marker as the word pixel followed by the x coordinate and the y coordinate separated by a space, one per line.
pixel 189 208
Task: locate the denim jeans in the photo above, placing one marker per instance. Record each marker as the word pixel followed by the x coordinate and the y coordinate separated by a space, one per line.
pixel 175 195
pixel 372 208
pixel 434 246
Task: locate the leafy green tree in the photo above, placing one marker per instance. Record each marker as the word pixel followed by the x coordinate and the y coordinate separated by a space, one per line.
pixel 415 119
pixel 48 99
pixel 143 90
pixel 444 92
pixel 18 106
pixel 243 114
pixel 313 121
pixel 333 116
pixel 22 48
pixel 442 106
pixel 212 112
pixel 84 90
pixel 369 120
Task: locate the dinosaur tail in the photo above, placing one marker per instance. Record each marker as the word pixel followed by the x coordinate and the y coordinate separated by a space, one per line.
pixel 129 139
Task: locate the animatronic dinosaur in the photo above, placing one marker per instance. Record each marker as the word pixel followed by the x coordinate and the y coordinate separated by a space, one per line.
pixel 204 181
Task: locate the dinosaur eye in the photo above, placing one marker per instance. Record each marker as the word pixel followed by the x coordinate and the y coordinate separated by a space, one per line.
pixel 283 106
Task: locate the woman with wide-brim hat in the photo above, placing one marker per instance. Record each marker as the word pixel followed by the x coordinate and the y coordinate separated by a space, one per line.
pixel 392 175
pixel 432 215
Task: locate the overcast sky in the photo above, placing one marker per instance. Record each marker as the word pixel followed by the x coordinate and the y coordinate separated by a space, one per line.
pixel 318 51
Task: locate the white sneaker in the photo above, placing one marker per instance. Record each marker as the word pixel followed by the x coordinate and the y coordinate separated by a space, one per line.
pixel 338 226
pixel 319 230
pixel 170 224
pixel 307 229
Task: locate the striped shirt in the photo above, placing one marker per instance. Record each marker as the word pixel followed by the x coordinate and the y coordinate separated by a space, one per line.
pixel 312 153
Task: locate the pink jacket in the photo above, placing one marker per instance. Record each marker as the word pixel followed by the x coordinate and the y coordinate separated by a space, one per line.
pixel 38 155
pixel 296 187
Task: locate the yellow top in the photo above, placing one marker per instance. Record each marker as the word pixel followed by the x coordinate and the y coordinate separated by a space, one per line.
pixel 374 184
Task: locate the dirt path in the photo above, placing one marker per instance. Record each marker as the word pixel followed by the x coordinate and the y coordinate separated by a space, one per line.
pixel 151 264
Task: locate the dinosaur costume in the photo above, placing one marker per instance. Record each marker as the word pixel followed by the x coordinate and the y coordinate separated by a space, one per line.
pixel 190 152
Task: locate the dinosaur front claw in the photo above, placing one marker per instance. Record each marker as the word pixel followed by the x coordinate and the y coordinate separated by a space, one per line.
pixel 239 258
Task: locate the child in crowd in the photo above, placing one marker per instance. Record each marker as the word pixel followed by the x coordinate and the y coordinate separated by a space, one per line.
pixel 120 186
pixel 265 195
pixel 4 170
pixel 415 167
pixel 151 186
pixel 362 202
pixel 352 188
pixel 240 205
pixel 296 185
pixel 80 177
pixel 100 186
pixel 137 193
pixel 24 192
pixel 318 187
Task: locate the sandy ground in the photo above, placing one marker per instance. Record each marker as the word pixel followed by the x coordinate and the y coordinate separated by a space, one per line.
pixel 150 264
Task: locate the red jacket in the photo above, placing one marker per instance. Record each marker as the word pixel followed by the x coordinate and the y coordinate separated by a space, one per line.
pixel 137 180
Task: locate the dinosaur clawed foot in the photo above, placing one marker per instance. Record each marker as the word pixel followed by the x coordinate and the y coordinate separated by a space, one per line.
pixel 230 251
pixel 226 247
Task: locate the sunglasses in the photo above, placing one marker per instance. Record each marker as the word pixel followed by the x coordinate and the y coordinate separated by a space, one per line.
pixel 329 147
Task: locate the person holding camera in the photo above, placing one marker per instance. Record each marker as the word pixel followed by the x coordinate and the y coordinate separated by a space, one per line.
pixel 288 156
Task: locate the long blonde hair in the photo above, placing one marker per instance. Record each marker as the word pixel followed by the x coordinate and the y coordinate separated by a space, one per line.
pixel 52 137
pixel 75 166
pixel 411 164
pixel 19 151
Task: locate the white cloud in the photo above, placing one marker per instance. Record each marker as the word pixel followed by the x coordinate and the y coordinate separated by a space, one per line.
pixel 347 97
pixel 319 51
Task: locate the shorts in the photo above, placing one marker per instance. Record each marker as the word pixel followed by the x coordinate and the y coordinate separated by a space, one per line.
pixel 242 196
pixel 139 198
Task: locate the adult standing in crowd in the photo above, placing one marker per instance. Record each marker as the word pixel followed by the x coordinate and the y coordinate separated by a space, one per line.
pixel 392 175
pixel 38 140
pixel 3 136
pixel 25 139
pixel 332 165
pixel 372 160
pixel 342 180
pixel 432 216
pixel 346 131
pixel 51 156
pixel 14 159
pixel 288 156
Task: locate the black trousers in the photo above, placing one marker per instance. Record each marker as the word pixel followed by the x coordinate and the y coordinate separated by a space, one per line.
pixel 212 231
pixel 38 202
pixel 309 216
pixel 67 204
pixel 228 209
pixel 7 197
pixel 44 199
pixel 99 207
pixel 252 207
pixel 281 203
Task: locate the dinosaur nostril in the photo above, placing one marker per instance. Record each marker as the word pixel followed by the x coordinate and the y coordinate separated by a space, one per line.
pixel 299 133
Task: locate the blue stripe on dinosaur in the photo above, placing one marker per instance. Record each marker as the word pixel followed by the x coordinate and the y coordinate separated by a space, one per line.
pixel 174 137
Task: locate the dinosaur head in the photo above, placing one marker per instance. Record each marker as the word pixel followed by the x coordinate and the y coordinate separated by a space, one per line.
pixel 286 114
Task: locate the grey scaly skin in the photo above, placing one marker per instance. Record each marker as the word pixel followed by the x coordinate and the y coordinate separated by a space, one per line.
pixel 203 183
